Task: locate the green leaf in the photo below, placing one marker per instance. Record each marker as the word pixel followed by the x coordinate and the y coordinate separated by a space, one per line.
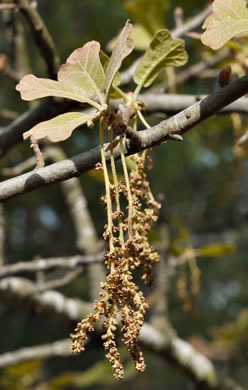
pixel 149 14
pixel 84 70
pixel 229 18
pixel 124 46
pixel 163 51
pixel 59 128
pixel 32 87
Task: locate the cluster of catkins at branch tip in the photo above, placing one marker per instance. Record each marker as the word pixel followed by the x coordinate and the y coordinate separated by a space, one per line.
pixel 121 302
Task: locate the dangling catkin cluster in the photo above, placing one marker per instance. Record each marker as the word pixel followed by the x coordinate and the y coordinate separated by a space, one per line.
pixel 121 302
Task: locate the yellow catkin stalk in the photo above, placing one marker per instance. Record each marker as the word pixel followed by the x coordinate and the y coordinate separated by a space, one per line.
pixel 107 185
pixel 118 208
pixel 129 195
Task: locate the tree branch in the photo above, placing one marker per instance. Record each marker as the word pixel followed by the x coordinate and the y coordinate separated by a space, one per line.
pixel 68 263
pixel 193 23
pixel 60 348
pixel 178 124
pixel 196 70
pixel 173 349
pixel 177 351
pixel 182 355
pixel 171 104
pixel 12 134
pixel 41 36
pixel 20 289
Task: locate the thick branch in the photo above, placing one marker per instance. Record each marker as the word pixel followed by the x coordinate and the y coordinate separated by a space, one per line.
pixel 178 124
pixel 168 103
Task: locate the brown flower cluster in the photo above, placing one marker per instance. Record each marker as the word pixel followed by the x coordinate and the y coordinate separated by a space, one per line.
pixel 121 302
pixel 145 212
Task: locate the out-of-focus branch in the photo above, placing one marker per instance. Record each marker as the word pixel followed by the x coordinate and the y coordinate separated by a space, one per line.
pixel 182 355
pixel 8 114
pixel 243 139
pixel 196 70
pixel 177 124
pixel 160 314
pixel 178 16
pixel 5 6
pixel 20 168
pixel 2 235
pixel 174 350
pixel 20 289
pixel 179 352
pixel 12 134
pixel 86 237
pixel 41 36
pixel 63 281
pixel 22 64
pixel 173 103
pixel 67 263
pixel 7 70
pixel 193 23
pixel 60 348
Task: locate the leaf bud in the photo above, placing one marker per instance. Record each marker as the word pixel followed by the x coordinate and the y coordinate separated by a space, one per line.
pixel 224 76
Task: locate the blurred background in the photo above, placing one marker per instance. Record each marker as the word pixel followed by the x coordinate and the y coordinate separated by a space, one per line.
pixel 202 183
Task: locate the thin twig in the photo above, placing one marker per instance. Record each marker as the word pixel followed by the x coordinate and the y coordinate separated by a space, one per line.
pixel 60 282
pixel 196 70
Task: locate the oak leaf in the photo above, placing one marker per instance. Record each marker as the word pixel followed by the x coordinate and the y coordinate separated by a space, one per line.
pixel 59 128
pixel 123 47
pixel 163 51
pixel 229 18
